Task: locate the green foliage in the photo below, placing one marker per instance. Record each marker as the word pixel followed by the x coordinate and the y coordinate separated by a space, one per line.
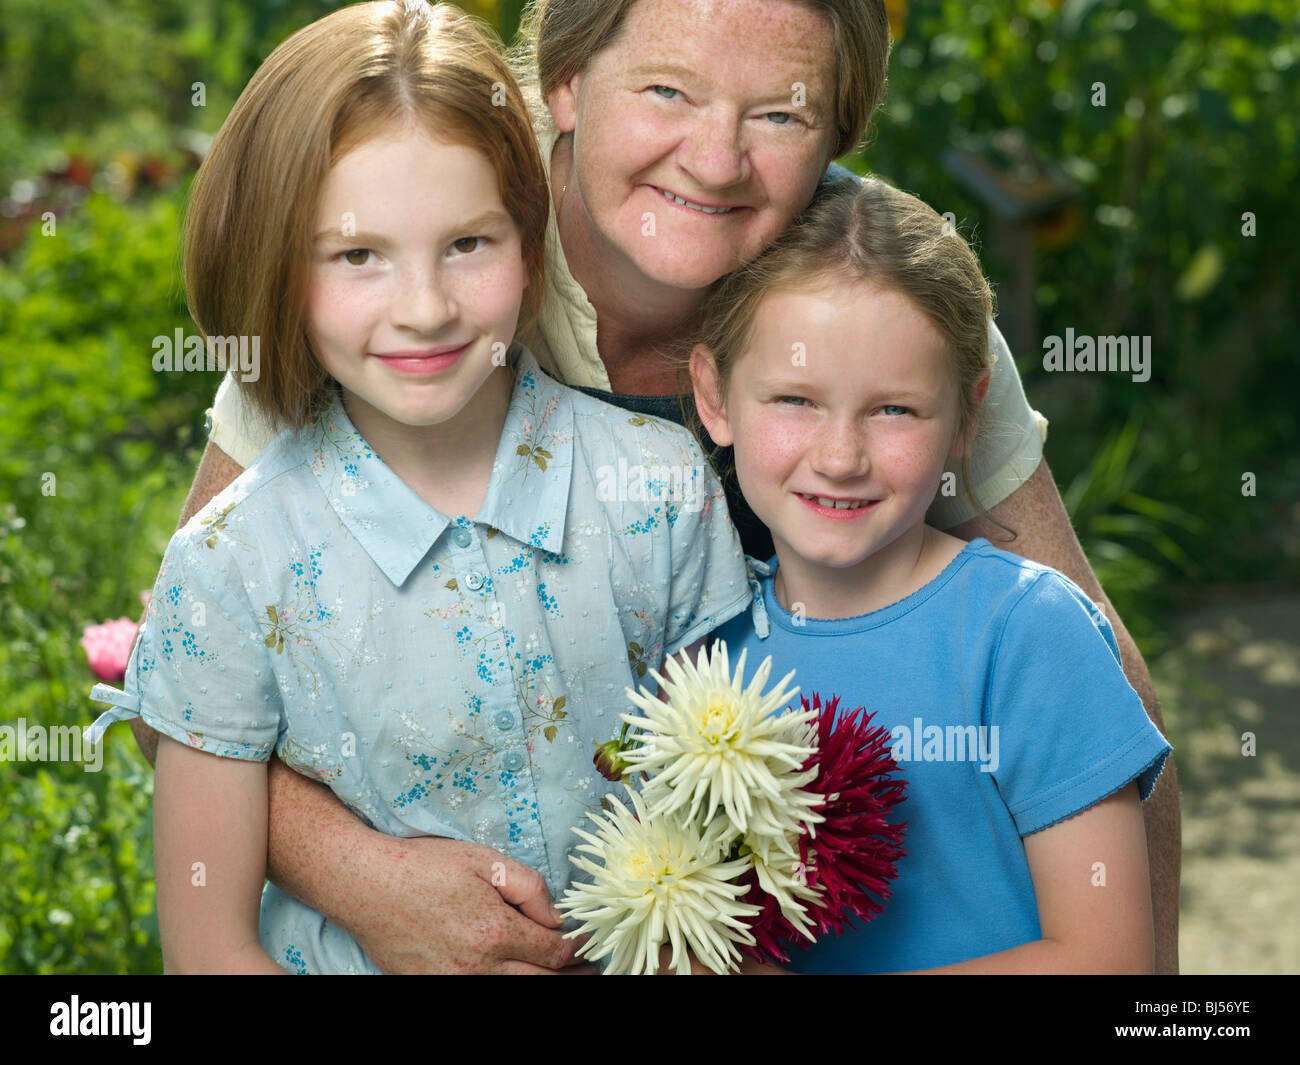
pixel 1199 126
pixel 95 454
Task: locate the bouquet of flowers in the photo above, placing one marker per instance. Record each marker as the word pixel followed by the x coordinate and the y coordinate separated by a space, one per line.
pixel 747 830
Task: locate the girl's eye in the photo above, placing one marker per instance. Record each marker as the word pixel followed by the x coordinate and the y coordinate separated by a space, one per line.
pixel 662 90
pixel 792 401
pixel 893 409
pixel 473 243
pixel 780 118
pixel 364 252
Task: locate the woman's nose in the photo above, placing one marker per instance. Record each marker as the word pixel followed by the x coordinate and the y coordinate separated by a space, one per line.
pixel 714 154
pixel 421 302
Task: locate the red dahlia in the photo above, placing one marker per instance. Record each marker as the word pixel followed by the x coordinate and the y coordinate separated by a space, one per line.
pixel 852 856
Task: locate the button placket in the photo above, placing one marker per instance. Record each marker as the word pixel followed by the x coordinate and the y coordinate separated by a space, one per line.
pixel 472 568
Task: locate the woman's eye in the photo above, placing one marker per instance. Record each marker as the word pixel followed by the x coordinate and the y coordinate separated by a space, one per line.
pixel 779 118
pixel 473 243
pixel 792 401
pixel 363 252
pixel 663 92
pixel 893 409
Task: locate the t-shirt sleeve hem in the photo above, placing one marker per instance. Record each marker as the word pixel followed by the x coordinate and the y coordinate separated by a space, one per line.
pixel 1141 758
pixel 706 625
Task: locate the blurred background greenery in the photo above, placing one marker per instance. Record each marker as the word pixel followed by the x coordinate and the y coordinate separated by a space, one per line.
pixel 97 125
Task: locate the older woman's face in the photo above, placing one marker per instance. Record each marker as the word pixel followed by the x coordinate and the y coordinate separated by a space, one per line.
pixel 725 104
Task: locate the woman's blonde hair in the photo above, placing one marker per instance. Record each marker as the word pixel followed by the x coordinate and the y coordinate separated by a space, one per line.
pixel 857 231
pixel 557 39
pixel 320 94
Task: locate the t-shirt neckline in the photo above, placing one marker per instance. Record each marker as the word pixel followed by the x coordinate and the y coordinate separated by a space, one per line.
pixel 873 619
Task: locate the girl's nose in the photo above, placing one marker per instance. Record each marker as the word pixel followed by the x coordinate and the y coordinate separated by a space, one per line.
pixel 421 303
pixel 839 450
pixel 714 153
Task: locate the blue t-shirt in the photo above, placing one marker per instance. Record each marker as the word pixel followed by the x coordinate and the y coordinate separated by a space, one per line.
pixel 1008 711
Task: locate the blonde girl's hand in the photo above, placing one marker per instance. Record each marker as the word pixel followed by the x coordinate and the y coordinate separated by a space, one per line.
pixel 444 906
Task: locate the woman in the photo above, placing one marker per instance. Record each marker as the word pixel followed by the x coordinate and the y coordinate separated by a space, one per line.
pixel 680 143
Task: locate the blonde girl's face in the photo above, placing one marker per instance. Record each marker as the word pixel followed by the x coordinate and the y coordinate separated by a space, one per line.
pixel 843 412
pixel 416 280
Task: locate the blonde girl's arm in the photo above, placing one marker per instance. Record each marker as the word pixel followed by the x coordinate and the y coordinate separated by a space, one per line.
pixel 210 818
pixel 1044 534
pixel 1094 898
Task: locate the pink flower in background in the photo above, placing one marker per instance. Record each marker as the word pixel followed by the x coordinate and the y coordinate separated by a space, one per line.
pixel 108 646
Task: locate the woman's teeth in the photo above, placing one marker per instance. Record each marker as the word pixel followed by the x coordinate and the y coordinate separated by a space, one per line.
pixel 695 206
pixel 838 504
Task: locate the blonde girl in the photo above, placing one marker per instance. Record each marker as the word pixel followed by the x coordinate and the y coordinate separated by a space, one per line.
pixel 846 366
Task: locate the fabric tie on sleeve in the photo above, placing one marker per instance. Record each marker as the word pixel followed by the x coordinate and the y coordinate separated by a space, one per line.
pixel 125 706
pixel 758 569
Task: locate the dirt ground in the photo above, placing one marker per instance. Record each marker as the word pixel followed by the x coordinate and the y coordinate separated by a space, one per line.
pixel 1234 674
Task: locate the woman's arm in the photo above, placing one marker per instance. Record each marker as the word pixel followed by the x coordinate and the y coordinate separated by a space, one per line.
pixel 1094 899
pixel 210 857
pixel 1036 513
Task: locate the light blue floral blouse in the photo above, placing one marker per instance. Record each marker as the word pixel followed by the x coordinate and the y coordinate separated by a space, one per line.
pixel 443 676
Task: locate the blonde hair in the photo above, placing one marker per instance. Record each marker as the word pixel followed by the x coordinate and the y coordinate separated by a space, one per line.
pixel 320 94
pixel 867 231
pixel 559 37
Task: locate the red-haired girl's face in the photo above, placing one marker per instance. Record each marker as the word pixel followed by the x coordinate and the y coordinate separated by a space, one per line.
pixel 416 281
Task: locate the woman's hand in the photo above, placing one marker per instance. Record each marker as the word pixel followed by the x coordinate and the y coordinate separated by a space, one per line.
pixel 442 906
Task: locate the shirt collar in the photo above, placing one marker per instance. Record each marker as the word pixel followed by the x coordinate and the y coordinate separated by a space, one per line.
pixel 527 496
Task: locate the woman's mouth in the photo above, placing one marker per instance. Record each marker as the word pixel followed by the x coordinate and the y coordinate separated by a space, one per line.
pixel 697 207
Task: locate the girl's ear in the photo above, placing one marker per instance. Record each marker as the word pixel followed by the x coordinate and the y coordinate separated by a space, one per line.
pixel 978 391
pixel 708 396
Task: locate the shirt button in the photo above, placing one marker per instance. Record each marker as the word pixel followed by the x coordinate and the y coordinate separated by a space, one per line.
pixel 505 719
pixel 513 761
pixel 474 581
pixel 462 537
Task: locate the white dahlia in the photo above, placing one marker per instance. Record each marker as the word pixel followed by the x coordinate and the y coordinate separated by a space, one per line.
pixel 660 880
pixel 783 876
pixel 714 744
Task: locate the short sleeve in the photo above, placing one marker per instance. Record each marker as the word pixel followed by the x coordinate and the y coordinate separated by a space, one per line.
pixel 1070 729
pixel 710 583
pixel 200 669
pixel 236 425
pixel 1008 444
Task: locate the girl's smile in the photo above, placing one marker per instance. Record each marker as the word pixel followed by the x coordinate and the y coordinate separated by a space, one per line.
pixel 428 361
pixel 843 412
